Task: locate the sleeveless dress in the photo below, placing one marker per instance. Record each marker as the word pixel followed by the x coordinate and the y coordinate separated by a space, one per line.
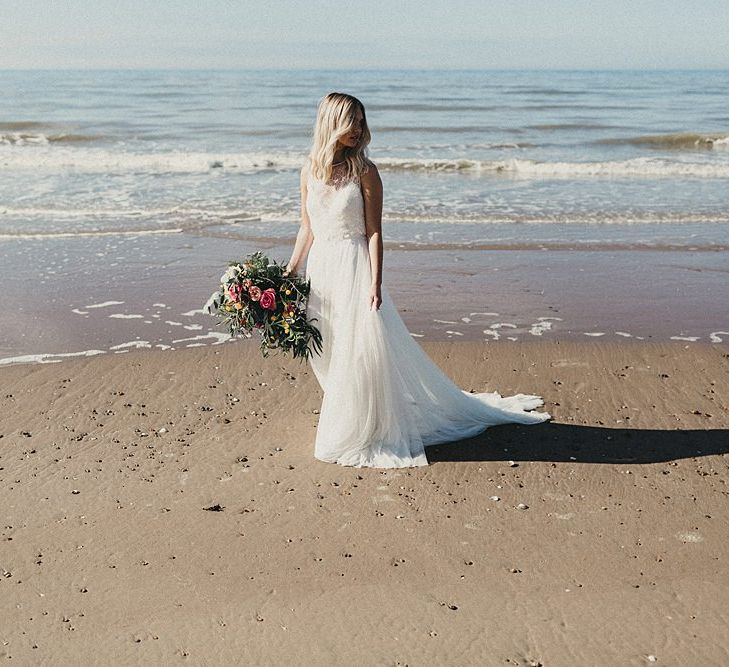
pixel 384 401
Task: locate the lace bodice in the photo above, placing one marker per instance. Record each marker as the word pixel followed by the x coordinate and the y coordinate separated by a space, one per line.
pixel 336 209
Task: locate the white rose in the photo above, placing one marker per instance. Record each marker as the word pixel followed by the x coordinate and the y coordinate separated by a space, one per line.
pixel 231 273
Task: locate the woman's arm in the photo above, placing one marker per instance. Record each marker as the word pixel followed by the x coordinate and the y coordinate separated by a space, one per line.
pixel 304 238
pixel 372 194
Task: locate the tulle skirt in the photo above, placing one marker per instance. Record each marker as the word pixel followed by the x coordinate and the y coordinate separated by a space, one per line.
pixel 385 401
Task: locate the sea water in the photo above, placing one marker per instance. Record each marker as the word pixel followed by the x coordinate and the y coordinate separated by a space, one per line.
pixel 465 156
pixel 132 189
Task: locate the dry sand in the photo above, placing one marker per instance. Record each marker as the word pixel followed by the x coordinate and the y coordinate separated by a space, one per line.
pixel 166 508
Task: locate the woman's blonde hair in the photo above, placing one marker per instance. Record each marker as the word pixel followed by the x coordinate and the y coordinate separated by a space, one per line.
pixel 335 119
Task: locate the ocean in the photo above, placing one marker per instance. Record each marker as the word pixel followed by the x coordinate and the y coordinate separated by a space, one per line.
pixel 105 175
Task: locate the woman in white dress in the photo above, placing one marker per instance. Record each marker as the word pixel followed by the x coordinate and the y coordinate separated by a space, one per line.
pixel 384 400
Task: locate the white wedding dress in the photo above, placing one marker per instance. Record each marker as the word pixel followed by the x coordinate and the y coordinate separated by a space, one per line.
pixel 384 399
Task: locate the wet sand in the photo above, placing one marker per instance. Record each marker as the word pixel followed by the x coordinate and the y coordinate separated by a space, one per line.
pixel 165 508
pixel 106 294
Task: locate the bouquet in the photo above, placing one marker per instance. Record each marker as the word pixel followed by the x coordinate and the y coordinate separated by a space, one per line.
pixel 255 294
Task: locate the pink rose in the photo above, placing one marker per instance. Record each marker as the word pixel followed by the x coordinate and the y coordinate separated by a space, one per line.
pixel 247 283
pixel 254 292
pixel 235 291
pixel 268 299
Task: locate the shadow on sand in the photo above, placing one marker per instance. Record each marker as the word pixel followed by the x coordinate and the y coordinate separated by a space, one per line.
pixel 582 444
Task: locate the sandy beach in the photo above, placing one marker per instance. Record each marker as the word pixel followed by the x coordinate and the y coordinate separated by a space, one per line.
pixel 164 507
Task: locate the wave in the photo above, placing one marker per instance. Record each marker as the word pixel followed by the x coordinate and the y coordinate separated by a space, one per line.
pixel 19 125
pixel 570 126
pixel 180 212
pixel 40 138
pixel 448 129
pixel 103 161
pixel 36 132
pixel 636 167
pixel 279 223
pixel 676 141
pixel 595 217
pixel 92 160
pixel 16 236
pixel 114 222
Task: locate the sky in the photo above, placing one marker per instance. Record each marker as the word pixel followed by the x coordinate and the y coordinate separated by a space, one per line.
pixel 366 34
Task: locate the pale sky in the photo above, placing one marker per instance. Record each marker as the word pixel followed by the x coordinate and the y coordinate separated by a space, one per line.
pixel 367 34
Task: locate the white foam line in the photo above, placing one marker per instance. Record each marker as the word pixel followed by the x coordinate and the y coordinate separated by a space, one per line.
pixel 80 312
pixel 690 339
pixel 414 335
pixel 487 314
pixel 196 345
pixel 221 337
pixel 124 316
pixel 71 235
pixel 454 333
pixel 192 313
pixel 193 327
pixel 105 304
pixel 544 319
pixel 159 305
pixel 173 324
pixel 624 334
pixel 466 319
pixel 131 344
pixel 595 333
pixel 100 161
pixel 48 358
pixel 54 159
pixel 85 353
pixel 715 336
pixel 640 167
pixel 445 321
pixel 501 325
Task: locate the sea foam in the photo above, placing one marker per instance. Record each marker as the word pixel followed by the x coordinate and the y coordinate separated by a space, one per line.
pixel 102 160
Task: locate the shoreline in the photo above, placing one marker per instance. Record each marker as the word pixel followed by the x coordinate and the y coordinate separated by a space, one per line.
pixel 251 346
pixel 162 508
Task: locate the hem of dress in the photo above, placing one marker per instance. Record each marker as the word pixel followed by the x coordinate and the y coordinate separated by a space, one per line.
pixel 520 416
pixel 365 462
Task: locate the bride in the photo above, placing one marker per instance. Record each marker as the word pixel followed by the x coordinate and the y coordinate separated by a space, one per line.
pixel 384 400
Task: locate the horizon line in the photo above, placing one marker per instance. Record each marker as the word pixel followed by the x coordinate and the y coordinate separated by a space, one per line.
pixel 361 69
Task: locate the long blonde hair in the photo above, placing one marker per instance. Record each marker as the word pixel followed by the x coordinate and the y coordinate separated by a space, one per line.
pixel 335 119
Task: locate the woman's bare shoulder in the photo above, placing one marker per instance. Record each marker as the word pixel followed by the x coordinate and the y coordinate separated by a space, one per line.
pixel 370 173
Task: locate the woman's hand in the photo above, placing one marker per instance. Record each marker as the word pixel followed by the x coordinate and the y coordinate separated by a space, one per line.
pixel 289 270
pixel 375 297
